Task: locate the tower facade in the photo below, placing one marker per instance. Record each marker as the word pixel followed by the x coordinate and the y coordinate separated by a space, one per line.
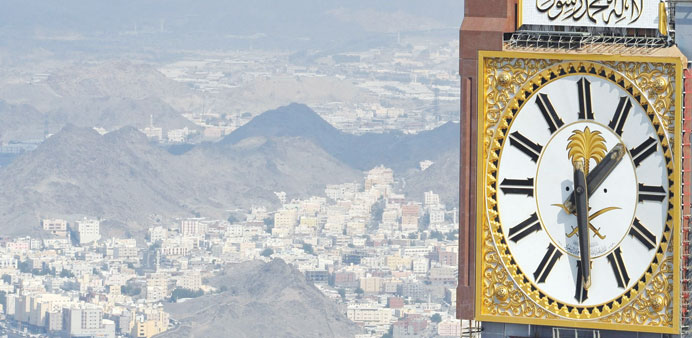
pixel 574 178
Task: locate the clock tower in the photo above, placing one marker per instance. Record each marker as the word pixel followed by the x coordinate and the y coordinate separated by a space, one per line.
pixel 572 162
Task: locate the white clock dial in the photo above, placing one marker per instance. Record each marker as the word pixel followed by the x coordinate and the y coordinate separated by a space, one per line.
pixel 535 177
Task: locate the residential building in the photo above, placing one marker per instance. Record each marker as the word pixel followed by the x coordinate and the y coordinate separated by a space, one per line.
pixel 191 280
pixel 371 284
pixel 369 314
pixel 86 320
pixel 449 328
pixel 88 230
pixel 191 227
pixel 56 226
pixel 409 217
pixel 431 198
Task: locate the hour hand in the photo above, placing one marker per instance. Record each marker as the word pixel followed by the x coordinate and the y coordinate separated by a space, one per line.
pixel 581 202
pixel 598 174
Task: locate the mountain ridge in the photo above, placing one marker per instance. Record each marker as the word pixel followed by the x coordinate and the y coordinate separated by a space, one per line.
pixel 274 291
pixel 122 177
pixel 361 152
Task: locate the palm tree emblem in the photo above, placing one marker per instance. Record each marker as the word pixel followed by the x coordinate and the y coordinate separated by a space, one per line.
pixel 585 146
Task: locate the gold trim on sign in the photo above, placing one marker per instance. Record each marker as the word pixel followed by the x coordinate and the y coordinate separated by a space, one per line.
pixel 494 272
pixel 554 73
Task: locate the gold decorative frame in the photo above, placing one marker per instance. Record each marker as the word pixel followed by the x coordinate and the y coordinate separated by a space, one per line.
pixel 507 81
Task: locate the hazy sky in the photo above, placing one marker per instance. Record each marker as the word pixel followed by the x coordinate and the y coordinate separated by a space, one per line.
pixel 178 24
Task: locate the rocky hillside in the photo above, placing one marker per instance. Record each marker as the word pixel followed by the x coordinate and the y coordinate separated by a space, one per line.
pixel 133 184
pixel 109 95
pixel 442 177
pixel 123 178
pixel 261 300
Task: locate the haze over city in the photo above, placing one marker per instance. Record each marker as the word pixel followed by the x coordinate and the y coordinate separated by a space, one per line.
pixel 229 168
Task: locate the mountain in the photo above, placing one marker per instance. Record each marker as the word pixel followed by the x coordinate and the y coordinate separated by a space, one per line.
pixel 124 179
pixel 112 113
pixel 109 94
pixel 262 300
pixel 396 150
pixel 442 177
pixel 133 184
pixel 20 121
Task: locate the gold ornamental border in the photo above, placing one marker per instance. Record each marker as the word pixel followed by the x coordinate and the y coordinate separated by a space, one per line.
pixel 503 292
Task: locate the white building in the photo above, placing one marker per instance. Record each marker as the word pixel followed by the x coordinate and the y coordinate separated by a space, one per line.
pixel 157 233
pixel 191 280
pixel 177 246
pixel 191 227
pixel 437 216
pixel 8 261
pixel 281 195
pixel 234 230
pixel 449 328
pixel 420 265
pixel 157 287
pixel 425 164
pixel 153 133
pixel 369 314
pixel 155 294
pixel 87 320
pixel 431 198
pixel 285 218
pixel 178 135
pixel 379 176
pixel 88 230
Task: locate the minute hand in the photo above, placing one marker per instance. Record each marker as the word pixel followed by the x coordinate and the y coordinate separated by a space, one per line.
pixel 598 174
pixel 581 201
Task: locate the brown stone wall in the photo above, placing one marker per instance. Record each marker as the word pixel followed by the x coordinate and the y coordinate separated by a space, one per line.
pixel 485 22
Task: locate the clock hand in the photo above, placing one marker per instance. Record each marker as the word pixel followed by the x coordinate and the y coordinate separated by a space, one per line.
pixel 581 201
pixel 598 174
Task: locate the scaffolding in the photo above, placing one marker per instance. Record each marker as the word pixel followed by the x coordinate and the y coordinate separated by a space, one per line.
pixel 602 39
pixel 583 41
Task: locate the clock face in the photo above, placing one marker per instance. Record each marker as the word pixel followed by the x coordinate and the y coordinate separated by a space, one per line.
pixel 582 116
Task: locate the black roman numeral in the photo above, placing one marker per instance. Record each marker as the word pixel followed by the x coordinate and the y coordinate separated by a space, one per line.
pixel 517 187
pixel 524 228
pixel 620 116
pixel 643 151
pixel 547 264
pixel 618 265
pixel 546 107
pixel 581 294
pixel 651 193
pixel 527 147
pixel 643 234
pixel 585 111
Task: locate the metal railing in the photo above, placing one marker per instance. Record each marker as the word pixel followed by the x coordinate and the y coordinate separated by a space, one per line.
pixel 581 40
